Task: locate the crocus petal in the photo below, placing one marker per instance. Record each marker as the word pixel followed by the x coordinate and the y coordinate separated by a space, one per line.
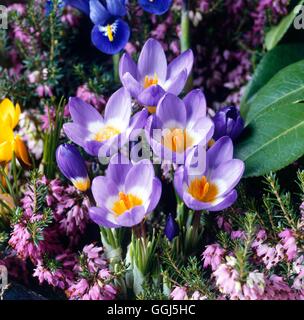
pixel 132 85
pixel 220 152
pixel 157 7
pixel 102 217
pixel 195 204
pixel 103 190
pixel 132 217
pixel 76 133
pixel 227 175
pixel 224 203
pixel 151 96
pixel 139 180
pixel 155 195
pixel 6 152
pixel 195 165
pixel 72 166
pixel 179 181
pixel 98 13
pixel 82 5
pixel 21 152
pixel 117 7
pixel 118 110
pixel 183 61
pixel 171 112
pixel 120 37
pixel 201 130
pixel 152 61
pixel 196 106
pixel 177 84
pixel 8 113
pixel 126 64
pixel 85 115
pixel 118 169
pixel 92 147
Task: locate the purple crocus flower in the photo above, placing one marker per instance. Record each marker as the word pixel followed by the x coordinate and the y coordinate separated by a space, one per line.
pixel 228 122
pixel 151 78
pixel 157 7
pixel 92 131
pixel 72 166
pixel 126 194
pixel 171 228
pixel 178 126
pixel 210 187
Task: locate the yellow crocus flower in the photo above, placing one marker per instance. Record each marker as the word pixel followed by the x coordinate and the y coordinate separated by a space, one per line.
pixel 9 113
pixel 9 142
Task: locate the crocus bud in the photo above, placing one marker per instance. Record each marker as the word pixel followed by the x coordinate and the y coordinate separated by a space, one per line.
pixel 72 166
pixel 171 228
pixel 228 122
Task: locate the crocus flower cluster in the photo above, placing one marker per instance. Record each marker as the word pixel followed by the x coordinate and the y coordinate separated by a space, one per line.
pixel 177 131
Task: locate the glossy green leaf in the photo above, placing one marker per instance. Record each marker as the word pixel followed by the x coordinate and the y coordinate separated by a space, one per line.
pixel 275 35
pixel 286 87
pixel 273 140
pixel 274 60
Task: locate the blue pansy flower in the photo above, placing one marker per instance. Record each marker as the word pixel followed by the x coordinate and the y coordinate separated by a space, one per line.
pixel 155 6
pixel 110 33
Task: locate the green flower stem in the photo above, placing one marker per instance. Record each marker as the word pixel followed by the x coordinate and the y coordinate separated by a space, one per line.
pixel 9 185
pixel 116 58
pixel 185 26
pixel 185 37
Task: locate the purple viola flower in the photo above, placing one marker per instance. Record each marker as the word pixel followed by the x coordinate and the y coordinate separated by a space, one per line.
pixel 92 131
pixel 178 126
pixel 126 195
pixel 210 187
pixel 171 228
pixel 72 166
pixel 155 6
pixel 110 33
pixel 151 78
pixel 228 122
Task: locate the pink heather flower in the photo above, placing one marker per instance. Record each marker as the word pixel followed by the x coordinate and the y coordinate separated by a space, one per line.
pixel 93 282
pixel 84 93
pixel 237 235
pixel 212 256
pixel 34 76
pixel 227 279
pixel 18 7
pixel 270 256
pixel 278 289
pixel 70 208
pixel 70 16
pixel 60 276
pixel 254 287
pixel 289 243
pixel 44 91
pixel 179 293
pixel 20 35
pixel 198 296
pixel 222 223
